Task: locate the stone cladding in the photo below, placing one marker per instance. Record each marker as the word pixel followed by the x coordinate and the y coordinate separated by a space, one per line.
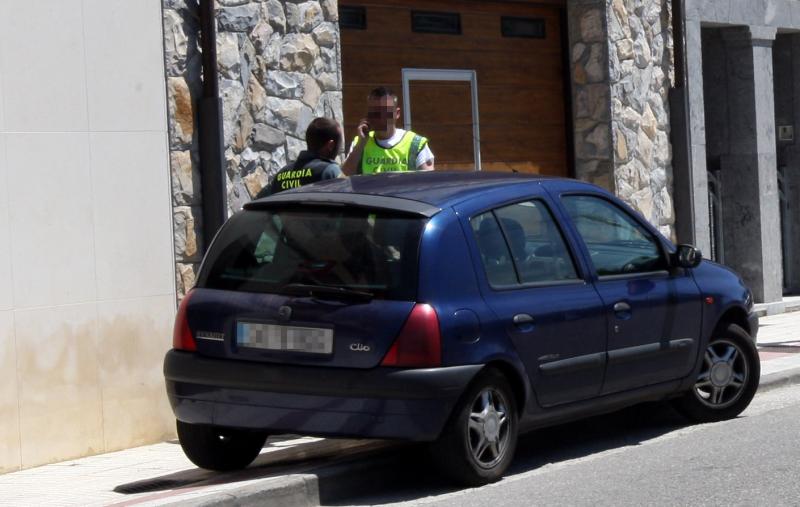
pixel 279 67
pixel 622 68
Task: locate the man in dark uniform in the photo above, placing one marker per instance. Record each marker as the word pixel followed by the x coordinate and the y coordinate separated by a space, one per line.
pixel 324 140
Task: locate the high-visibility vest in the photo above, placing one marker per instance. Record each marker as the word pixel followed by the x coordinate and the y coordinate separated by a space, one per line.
pixel 400 157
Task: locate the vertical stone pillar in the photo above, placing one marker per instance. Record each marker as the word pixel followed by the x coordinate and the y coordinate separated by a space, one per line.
pixel 588 42
pixel 751 212
pixel 692 197
pixel 622 69
pixel 641 72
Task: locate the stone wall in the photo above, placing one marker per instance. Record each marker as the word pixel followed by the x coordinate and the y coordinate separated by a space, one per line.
pixel 182 62
pixel 622 66
pixel 279 67
pixel 642 71
pixel 591 93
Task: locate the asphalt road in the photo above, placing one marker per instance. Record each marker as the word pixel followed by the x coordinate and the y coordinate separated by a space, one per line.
pixel 647 455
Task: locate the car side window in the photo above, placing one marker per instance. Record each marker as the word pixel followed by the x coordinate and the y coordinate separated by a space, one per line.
pixel 536 244
pixel 495 255
pixel 617 244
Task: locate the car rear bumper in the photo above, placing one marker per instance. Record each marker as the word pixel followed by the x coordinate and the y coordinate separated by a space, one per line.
pixel 410 404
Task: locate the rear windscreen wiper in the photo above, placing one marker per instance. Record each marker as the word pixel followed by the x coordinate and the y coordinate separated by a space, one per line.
pixel 324 291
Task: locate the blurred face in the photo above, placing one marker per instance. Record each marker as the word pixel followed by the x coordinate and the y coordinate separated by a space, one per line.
pixel 382 114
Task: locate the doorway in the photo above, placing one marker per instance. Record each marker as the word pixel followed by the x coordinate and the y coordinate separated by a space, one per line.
pixel 443 103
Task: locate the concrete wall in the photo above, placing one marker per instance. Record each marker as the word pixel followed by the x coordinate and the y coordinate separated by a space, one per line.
pixel 87 294
pixel 748 31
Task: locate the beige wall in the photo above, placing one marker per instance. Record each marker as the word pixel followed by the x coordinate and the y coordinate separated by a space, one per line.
pixel 86 261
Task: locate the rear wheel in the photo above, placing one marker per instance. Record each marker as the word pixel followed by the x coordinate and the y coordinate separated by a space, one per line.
pixel 219 448
pixel 727 381
pixel 478 442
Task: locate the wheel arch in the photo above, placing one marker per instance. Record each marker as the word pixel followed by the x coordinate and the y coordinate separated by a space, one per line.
pixel 516 381
pixel 733 315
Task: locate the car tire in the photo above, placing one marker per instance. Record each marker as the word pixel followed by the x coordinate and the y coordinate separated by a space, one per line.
pixel 478 442
pixel 219 448
pixel 727 381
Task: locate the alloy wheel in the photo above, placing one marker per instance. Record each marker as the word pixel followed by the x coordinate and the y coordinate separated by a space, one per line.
pixel 723 376
pixel 488 428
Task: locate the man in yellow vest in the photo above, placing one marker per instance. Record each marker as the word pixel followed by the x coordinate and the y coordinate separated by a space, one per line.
pixel 380 146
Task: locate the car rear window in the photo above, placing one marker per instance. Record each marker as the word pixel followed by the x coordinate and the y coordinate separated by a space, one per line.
pixel 348 248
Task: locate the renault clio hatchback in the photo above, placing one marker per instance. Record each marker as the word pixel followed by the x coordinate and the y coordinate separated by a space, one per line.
pixel 453 308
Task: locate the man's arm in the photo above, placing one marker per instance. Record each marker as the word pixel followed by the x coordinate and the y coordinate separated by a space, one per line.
pixel 425 159
pixel 353 160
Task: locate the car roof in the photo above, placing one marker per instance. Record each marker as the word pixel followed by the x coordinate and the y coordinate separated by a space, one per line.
pixel 435 188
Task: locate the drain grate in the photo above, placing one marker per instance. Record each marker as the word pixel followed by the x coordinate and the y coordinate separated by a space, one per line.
pixel 150 485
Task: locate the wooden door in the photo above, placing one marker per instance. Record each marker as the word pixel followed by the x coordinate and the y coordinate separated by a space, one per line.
pixel 442 110
pixel 521 80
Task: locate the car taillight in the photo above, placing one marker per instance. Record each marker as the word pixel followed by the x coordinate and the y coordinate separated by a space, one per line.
pixel 419 343
pixel 182 338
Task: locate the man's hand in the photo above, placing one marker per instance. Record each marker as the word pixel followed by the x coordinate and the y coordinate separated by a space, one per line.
pixel 363 129
pixel 350 166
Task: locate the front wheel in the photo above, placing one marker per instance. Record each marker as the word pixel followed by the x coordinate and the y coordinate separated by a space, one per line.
pixel 219 448
pixel 727 381
pixel 478 443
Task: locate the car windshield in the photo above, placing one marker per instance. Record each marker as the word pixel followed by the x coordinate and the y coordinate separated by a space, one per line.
pixel 277 250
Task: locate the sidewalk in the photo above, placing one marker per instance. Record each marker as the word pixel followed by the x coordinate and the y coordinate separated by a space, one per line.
pixel 779 347
pixel 291 471
pixel 786 305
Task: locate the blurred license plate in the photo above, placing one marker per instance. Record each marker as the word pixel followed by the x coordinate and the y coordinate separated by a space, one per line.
pixel 314 340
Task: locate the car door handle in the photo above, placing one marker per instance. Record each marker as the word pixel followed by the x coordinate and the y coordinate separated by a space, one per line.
pixel 522 319
pixel 622 306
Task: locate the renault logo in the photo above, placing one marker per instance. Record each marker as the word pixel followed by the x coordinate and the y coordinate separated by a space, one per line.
pixel 285 313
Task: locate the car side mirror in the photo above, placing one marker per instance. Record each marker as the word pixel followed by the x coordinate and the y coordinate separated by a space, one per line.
pixel 687 256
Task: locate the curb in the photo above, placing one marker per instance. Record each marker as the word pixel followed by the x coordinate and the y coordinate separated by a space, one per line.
pixel 290 491
pixel 777 308
pixel 363 473
pixel 779 379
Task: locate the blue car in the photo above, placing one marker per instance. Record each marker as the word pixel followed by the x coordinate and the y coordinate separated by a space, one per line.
pixel 458 309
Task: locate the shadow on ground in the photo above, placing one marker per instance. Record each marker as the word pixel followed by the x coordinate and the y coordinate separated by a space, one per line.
pixel 410 476
pixel 381 472
pixel 281 457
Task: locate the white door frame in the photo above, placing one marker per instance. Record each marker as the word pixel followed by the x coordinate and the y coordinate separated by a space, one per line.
pixel 445 75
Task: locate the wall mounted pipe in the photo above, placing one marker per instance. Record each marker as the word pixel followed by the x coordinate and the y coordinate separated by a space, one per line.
pixel 680 135
pixel 210 130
